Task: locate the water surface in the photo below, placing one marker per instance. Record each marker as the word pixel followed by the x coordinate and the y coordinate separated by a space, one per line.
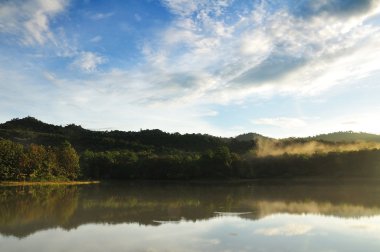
pixel 275 216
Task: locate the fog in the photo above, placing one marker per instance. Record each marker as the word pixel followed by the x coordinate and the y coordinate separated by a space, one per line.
pixel 267 147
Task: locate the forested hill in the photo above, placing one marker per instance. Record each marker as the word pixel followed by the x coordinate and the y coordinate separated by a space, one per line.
pixel 252 136
pixel 33 150
pixel 347 136
pixel 30 130
pixel 341 136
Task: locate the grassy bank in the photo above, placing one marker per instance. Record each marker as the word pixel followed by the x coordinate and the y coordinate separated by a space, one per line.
pixel 31 183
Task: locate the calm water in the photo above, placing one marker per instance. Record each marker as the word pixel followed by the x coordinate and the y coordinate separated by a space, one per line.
pixel 313 216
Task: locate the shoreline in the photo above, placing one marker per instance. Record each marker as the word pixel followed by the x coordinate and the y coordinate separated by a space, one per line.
pixel 310 181
pixel 42 183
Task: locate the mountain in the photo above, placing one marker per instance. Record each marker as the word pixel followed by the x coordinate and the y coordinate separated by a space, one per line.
pixel 30 124
pixel 31 130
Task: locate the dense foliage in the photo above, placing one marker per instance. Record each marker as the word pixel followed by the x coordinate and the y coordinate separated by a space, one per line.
pixel 223 164
pixel 32 150
pixel 37 162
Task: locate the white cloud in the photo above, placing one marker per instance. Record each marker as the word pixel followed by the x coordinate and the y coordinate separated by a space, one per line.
pixel 278 53
pixel 193 63
pixel 88 61
pixel 182 7
pixel 256 43
pixel 281 122
pixel 30 19
pixel 114 94
pixel 206 55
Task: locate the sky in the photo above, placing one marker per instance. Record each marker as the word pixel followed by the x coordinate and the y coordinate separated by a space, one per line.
pixel 276 67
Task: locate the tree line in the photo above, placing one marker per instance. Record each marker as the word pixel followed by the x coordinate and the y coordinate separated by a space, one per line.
pixel 33 150
pixel 222 164
pixel 37 162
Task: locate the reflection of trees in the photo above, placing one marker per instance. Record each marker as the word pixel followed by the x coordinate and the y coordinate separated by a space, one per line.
pixel 24 210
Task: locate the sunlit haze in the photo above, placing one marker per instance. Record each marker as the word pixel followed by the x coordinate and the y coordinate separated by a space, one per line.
pixel 278 68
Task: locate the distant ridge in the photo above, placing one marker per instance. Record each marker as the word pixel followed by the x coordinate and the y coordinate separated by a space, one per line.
pixel 31 130
pixel 347 136
pixel 34 125
pixel 251 136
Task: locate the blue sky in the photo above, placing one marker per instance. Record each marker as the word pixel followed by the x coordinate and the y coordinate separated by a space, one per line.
pixel 279 68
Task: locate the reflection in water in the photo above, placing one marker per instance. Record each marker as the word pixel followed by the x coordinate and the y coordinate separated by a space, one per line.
pixel 191 217
pixel 26 209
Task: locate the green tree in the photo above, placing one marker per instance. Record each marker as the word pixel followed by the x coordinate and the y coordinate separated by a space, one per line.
pixel 222 161
pixel 10 157
pixel 33 162
pixel 68 161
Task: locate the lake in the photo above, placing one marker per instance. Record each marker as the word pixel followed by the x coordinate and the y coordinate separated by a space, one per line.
pixel 182 216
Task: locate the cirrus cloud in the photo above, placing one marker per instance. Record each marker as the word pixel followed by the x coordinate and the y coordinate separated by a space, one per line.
pixel 88 61
pixel 30 19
